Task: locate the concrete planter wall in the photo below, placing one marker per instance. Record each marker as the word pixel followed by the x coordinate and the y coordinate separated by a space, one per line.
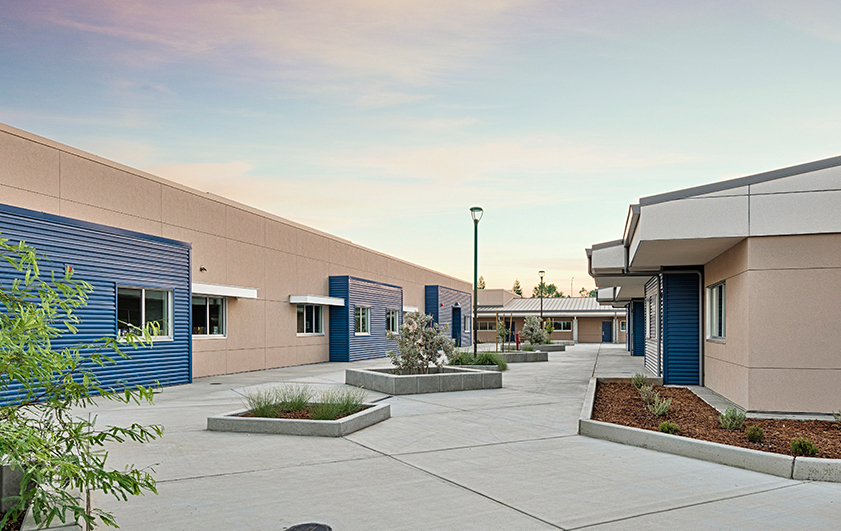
pixel 439 380
pixel 232 421
pixel 525 356
pixel 786 466
pixel 551 348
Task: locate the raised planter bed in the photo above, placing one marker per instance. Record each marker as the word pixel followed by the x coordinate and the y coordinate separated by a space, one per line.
pixel 554 347
pixel 233 421
pixel 524 356
pixel 799 468
pixel 443 379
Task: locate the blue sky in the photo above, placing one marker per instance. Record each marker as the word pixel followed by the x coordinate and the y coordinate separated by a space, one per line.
pixel 383 122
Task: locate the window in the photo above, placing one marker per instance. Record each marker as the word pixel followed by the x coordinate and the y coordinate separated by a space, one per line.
pixel 362 320
pixel 486 325
pixel 717 311
pixel 391 321
pixel 467 325
pixel 561 326
pixel 208 316
pixel 310 319
pixel 138 307
pixel 622 325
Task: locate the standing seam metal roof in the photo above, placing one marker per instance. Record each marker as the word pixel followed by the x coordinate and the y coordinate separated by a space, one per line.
pixel 554 304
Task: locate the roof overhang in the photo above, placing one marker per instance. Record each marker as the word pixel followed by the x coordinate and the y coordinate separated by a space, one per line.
pixel 408 309
pixel 221 290
pixel 607 258
pixel 321 300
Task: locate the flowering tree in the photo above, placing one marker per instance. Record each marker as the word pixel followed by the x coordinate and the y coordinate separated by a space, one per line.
pixel 533 331
pixel 421 343
pixel 58 452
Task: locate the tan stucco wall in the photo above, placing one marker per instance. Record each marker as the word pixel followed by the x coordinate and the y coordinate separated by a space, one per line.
pixel 238 245
pixel 781 351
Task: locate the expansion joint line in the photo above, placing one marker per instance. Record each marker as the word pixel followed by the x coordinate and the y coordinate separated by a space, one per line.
pixel 463 487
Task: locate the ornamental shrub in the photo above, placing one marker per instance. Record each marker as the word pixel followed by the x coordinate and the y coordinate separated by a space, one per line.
pixel 647 393
pixel 755 434
pixel 420 344
pixel 733 419
pixel 669 427
pixel 533 331
pixel 805 447
pixel 659 407
pixel 638 380
pixel 58 452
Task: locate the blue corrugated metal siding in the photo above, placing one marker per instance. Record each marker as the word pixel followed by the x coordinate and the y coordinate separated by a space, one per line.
pixel 681 329
pixel 340 325
pixel 345 345
pixel 440 301
pixel 638 328
pixel 107 258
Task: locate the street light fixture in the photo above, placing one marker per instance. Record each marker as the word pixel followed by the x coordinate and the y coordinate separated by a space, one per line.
pixel 541 273
pixel 476 214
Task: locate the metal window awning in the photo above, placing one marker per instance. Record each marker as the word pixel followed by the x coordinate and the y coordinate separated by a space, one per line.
pixel 407 309
pixel 316 299
pixel 220 290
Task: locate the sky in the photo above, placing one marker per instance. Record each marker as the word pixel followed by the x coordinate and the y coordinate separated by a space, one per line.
pixel 383 122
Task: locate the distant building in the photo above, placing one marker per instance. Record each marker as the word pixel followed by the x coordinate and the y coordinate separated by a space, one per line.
pixel 579 319
pixel 734 285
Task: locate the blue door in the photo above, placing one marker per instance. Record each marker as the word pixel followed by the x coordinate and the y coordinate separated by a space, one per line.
pixel 607 331
pixel 457 326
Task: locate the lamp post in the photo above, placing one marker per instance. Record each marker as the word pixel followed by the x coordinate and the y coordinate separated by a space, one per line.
pixel 541 273
pixel 476 214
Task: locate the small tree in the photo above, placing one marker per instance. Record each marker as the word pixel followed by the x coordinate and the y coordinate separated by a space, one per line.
pixel 550 327
pixel 481 283
pixel 502 333
pixel 421 343
pixel 533 330
pixel 59 453
pixel 516 287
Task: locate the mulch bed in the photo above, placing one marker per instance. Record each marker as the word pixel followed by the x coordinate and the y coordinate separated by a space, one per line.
pixel 303 414
pixel 620 403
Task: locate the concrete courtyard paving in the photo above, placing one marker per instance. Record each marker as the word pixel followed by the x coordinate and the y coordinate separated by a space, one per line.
pixel 506 459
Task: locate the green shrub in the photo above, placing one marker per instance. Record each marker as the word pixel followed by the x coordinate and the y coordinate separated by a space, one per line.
pixel 755 434
pixel 669 427
pixel 420 343
pixel 527 348
pixel 335 403
pixel 804 447
pixel 293 397
pixel 638 380
pixel 533 331
pixel 733 419
pixel 461 358
pixel 647 393
pixel 659 407
pixel 491 358
pixel 262 402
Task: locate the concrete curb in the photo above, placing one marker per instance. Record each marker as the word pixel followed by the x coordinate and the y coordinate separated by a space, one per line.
pixel 314 428
pixel 800 468
pixel 448 378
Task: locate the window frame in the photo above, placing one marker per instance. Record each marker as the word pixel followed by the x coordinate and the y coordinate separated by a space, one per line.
pixel 366 310
pixel 622 325
pixel 390 314
pixel 223 318
pixel 557 325
pixel 467 328
pixel 319 320
pixel 717 312
pixel 170 336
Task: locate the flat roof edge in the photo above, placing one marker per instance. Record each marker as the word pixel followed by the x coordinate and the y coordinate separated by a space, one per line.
pixel 742 181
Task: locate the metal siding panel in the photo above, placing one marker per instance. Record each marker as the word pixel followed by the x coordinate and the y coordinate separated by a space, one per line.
pixel 651 344
pixel 431 301
pixel 340 326
pixel 378 297
pixel 107 259
pixel 638 324
pixel 445 299
pixel 681 325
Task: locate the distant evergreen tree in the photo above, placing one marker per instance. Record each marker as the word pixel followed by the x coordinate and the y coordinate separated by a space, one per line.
pixel 550 291
pixel 481 284
pixel 517 289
